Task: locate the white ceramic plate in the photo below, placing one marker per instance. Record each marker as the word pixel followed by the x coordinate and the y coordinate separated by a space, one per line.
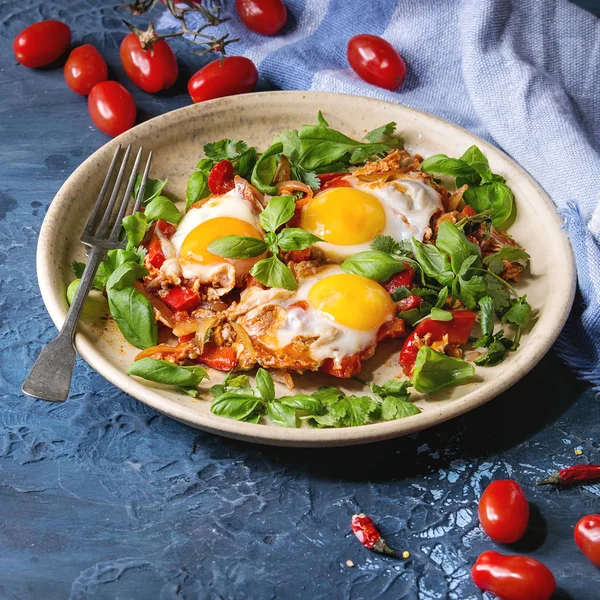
pixel 176 140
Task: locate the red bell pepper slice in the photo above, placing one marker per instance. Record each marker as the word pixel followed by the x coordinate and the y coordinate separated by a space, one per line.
pixel 408 304
pixel 182 298
pixel 220 178
pixel 299 255
pixel 222 358
pixel 396 328
pixel 166 228
pixel 331 180
pixel 458 331
pixel 155 254
pixel 404 278
pixel 348 367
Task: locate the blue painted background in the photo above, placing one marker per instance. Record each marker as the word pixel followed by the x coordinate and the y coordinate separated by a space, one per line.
pixel 103 498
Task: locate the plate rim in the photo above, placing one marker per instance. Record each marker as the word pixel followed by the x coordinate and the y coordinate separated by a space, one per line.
pixel 301 437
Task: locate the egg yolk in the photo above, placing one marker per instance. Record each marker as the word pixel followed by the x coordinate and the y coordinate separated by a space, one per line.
pixel 344 216
pixel 352 300
pixel 195 245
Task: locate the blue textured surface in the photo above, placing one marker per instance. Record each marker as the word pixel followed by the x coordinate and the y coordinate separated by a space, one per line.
pixel 101 497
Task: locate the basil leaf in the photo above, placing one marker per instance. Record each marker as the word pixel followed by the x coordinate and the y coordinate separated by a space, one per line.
pixel 271 242
pixel 135 227
pixel 454 242
pixel 433 262
pixel 519 313
pixel 255 418
pixel 153 188
pixel 321 120
pixel 397 408
pixel 265 385
pixel 234 406
pixel 124 276
pixel 372 264
pixel 434 371
pixel 304 403
pixel 414 315
pixel 376 135
pixel 281 415
pixel 486 306
pixel 441 164
pixel 295 238
pixel 162 371
pixel 502 201
pixel 264 169
pixel 495 263
pixel 273 273
pixel 205 164
pixel 290 144
pixel 134 316
pixel 437 314
pixel 475 158
pixel 467 264
pixel 441 298
pixel 237 246
pixel 476 196
pixel 244 164
pixel 197 188
pixel 162 208
pixel 279 210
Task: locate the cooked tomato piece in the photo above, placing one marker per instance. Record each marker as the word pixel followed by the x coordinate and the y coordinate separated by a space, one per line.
pixel 220 178
pixel 409 303
pixel 404 278
pixel 155 254
pixel 222 358
pixel 348 367
pixel 188 337
pixel 182 298
pixel 299 255
pixel 332 180
pixel 166 228
pixel 393 329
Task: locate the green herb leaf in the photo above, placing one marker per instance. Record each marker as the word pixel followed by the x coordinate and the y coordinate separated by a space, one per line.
pixel 437 314
pixel 441 164
pixel 354 411
pixel 377 135
pixel 486 305
pixel 235 405
pixel 304 403
pixel 72 290
pixel 495 263
pixel 197 188
pixel 225 149
pixel 274 273
pixel 402 292
pixel 237 246
pixel 265 385
pixel 372 264
pixel 454 242
pixel 519 313
pixel 134 316
pixel 281 414
pixel 244 164
pixel 154 188
pixel 321 120
pixel 471 290
pixel 328 394
pixel 433 262
pixel 295 238
pixel 125 275
pixel 499 294
pixel 497 351
pixel 397 408
pixel 441 298
pixel 162 208
pixel 434 371
pixel 279 210
pixel 135 227
pixel 264 169
pixel 475 158
pixel 162 371
pixel 416 314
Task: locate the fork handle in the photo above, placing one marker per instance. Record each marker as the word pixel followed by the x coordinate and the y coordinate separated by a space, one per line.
pixel 50 377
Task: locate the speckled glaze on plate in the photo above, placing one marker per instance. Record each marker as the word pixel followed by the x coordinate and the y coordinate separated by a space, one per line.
pixel 176 140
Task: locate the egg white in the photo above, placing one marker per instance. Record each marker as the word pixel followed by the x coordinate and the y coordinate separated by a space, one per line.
pixel 408 205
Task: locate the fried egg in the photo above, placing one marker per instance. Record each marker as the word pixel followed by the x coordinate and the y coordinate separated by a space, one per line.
pixel 336 314
pixel 348 218
pixel 219 216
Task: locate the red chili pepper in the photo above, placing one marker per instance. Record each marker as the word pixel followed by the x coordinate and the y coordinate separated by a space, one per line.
pixel 348 367
pixel 220 178
pixel 408 303
pixel 222 358
pixel 404 278
pixel 573 475
pixel 458 331
pixel 368 535
pixel 182 298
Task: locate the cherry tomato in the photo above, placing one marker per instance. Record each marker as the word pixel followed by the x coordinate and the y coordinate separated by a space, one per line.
pixel 111 107
pixel 152 70
pixel 504 511
pixel 220 178
pixel 234 75
pixel 42 43
pixel 263 16
pixel 513 577
pixel 587 537
pixel 84 68
pixel 376 61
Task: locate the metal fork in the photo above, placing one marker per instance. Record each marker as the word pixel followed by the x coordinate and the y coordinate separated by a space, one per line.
pixel 50 377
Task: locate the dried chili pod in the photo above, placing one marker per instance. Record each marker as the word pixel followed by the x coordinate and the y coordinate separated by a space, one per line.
pixel 368 535
pixel 573 475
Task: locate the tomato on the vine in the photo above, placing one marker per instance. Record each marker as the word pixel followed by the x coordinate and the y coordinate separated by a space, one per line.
pixel 376 61
pixel 266 17
pixel 587 537
pixel 227 77
pixel 152 70
pixel 111 107
pixel 504 511
pixel 84 68
pixel 42 43
pixel 513 577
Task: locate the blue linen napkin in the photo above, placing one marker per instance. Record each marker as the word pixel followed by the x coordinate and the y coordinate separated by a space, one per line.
pixel 523 74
